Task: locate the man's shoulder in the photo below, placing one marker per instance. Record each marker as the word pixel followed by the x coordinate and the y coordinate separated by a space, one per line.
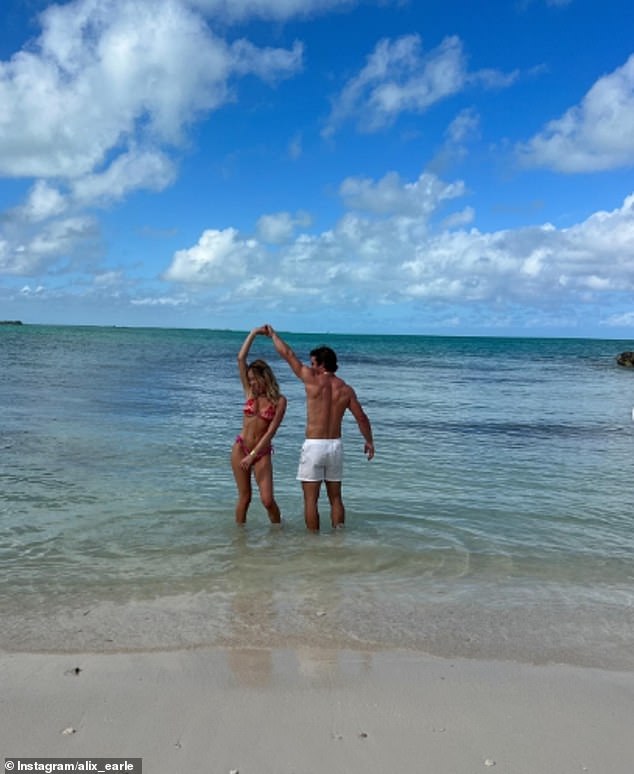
pixel 342 387
pixel 309 375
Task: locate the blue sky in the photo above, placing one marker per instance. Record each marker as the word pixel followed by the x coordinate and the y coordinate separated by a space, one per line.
pixel 366 166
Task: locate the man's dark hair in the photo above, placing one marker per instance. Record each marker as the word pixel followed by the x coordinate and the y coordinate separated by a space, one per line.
pixel 325 357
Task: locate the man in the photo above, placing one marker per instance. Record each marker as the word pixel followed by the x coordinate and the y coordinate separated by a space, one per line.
pixel 327 399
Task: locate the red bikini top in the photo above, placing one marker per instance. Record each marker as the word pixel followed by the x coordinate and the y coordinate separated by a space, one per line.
pixel 250 410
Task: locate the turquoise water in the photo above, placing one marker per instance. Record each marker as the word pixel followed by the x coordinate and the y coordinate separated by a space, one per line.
pixel 495 520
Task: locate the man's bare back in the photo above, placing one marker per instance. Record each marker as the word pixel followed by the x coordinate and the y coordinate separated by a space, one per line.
pixel 327 399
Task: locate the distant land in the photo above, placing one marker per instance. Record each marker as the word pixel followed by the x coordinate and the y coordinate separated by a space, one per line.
pixel 10 322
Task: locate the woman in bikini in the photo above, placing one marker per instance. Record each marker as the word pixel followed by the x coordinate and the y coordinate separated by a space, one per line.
pixel 263 412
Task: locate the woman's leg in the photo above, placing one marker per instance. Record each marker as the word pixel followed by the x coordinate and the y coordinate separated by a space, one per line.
pixel 243 482
pixel 264 477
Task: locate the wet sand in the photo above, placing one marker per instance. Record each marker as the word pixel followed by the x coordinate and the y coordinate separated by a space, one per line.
pixel 316 711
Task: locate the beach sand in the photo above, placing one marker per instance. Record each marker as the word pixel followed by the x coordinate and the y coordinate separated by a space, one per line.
pixel 314 711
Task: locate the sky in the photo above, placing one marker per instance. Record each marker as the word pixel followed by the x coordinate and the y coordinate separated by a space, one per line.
pixel 437 167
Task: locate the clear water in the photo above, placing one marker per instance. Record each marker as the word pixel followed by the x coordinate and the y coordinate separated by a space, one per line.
pixel 495 521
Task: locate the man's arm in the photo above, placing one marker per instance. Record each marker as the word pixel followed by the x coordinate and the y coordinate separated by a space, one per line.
pixel 285 351
pixel 364 424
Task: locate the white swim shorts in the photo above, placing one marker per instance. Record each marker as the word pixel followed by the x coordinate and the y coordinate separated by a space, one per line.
pixel 321 460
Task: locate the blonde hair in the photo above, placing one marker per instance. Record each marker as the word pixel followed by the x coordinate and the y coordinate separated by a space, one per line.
pixel 262 370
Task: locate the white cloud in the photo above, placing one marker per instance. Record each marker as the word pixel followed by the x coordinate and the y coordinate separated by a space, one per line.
pixel 399 78
pixel 217 256
pixel 43 202
pixel 493 79
pixel 95 105
pixel 237 10
pixel 280 227
pixel 104 73
pixel 597 134
pixel 58 240
pixel 164 301
pixel 128 172
pixel 27 290
pixel 110 279
pixel 392 195
pixel 625 320
pixel 392 253
pixel 458 219
pixel 463 127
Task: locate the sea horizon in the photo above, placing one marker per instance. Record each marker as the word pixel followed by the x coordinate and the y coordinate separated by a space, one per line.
pixel 513 336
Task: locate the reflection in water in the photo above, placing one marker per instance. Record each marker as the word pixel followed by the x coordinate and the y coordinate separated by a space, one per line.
pixel 318 667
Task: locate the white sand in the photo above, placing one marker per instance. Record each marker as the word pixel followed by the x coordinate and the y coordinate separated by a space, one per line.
pixel 317 712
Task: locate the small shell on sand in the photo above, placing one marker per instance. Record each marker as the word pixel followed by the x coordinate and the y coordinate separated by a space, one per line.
pixel 489 762
pixel 68 731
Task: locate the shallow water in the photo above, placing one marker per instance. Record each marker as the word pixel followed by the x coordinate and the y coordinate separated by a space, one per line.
pixel 495 520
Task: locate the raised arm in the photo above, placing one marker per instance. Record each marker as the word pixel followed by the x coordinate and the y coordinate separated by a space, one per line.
pixel 284 351
pixel 243 354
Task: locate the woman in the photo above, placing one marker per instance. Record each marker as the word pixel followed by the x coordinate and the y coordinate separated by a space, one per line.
pixel 263 412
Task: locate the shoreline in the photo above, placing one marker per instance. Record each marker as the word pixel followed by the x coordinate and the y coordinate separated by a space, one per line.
pixel 307 709
pixel 590 637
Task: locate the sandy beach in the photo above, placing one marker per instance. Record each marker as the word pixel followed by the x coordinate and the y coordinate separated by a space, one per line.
pixel 309 711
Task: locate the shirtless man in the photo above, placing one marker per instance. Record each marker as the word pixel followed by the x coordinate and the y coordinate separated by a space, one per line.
pixel 327 398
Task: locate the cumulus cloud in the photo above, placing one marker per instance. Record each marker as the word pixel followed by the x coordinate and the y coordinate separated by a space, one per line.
pixel 280 227
pixel 597 134
pixel 94 107
pixel 457 219
pixel 130 171
pixel 105 71
pixel 398 77
pixel 390 251
pixel 218 255
pixel 391 194
pixel 43 202
pixel 56 241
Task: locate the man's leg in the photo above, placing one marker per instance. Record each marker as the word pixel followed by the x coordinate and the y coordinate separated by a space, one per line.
pixel 311 496
pixel 337 510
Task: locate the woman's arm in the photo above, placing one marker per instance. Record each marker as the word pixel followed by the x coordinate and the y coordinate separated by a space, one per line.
pixel 265 440
pixel 244 353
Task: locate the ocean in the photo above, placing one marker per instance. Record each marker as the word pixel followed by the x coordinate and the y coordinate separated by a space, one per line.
pixel 495 521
